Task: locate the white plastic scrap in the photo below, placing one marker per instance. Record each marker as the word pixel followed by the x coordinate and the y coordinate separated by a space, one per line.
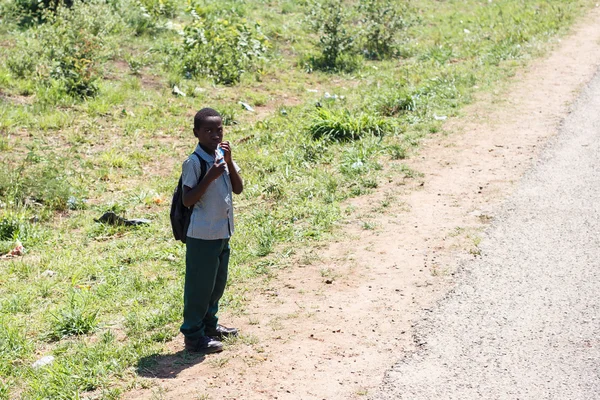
pixel 177 91
pixel 46 360
pixel 247 106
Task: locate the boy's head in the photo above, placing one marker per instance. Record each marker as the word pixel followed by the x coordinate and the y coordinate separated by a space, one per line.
pixel 208 128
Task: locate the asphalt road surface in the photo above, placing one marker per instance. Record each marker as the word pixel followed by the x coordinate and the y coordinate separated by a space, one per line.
pixel 524 319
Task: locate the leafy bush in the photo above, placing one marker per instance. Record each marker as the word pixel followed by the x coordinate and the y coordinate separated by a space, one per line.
pixel 222 48
pixel 165 8
pixel 381 21
pixel 342 125
pixel 136 17
pixel 27 12
pixel 63 52
pixel 330 19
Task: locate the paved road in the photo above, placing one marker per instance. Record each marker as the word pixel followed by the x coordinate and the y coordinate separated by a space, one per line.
pixel 524 320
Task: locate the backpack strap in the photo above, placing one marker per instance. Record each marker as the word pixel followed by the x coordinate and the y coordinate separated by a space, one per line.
pixel 202 167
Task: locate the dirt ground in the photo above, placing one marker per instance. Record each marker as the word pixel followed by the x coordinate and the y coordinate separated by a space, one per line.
pixel 330 329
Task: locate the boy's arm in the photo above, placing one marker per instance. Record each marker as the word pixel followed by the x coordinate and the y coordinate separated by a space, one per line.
pixel 237 184
pixel 192 195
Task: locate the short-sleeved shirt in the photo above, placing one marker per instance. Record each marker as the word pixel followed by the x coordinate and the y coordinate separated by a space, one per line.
pixel 212 216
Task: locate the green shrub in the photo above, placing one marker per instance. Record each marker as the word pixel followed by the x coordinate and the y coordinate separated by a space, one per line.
pixel 165 8
pixel 222 48
pixel 331 20
pixel 63 53
pixel 343 125
pixel 137 18
pixel 381 21
pixel 28 12
pixel 22 63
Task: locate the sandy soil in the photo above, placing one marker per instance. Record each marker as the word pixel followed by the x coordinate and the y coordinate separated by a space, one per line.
pixel 521 321
pixel 330 329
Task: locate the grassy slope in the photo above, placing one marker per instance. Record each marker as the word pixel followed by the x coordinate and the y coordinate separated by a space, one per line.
pixel 122 151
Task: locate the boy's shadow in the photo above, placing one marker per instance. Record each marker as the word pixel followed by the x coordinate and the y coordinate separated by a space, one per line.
pixel 167 366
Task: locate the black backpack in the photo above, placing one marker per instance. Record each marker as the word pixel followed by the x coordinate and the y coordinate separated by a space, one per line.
pixel 180 214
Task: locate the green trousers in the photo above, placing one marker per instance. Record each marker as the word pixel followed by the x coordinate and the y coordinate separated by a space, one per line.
pixel 206 264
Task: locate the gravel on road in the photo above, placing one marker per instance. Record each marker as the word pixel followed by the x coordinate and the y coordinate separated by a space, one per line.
pixel 524 319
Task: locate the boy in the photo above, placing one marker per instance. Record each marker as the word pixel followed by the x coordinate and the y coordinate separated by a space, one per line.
pixel 211 226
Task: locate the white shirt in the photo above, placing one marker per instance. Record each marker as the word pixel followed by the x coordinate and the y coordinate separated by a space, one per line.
pixel 212 216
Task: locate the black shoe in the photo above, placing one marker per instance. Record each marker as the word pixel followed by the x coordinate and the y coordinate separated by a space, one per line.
pixel 203 344
pixel 220 332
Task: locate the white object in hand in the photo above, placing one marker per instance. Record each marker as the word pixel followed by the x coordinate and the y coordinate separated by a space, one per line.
pixel 220 155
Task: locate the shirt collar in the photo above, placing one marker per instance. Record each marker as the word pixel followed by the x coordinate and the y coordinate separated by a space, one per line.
pixel 209 158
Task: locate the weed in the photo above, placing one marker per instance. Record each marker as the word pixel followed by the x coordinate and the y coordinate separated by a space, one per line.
pixel 135 64
pixel 219 362
pixel 410 173
pixel 368 226
pixel 398 151
pixel 397 103
pixel 229 114
pixel 11 228
pixel 13 346
pixel 75 319
pixel 343 125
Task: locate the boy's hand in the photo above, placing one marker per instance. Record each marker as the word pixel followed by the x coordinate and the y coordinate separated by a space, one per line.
pixel 226 152
pixel 215 171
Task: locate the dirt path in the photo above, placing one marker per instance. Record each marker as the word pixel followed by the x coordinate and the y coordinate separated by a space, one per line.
pixel 309 339
pixel 522 321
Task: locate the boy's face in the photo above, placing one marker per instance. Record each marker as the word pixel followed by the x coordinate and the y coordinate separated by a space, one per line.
pixel 210 134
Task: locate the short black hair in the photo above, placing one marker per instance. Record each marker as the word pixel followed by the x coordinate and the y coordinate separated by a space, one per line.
pixel 203 114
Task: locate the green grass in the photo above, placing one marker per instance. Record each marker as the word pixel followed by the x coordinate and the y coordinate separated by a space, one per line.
pixel 114 294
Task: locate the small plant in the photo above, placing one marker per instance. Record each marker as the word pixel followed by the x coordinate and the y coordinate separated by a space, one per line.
pixel 397 103
pixel 74 320
pixel 10 228
pixel 13 346
pixel 398 152
pixel 343 125
pixel 368 226
pixel 229 115
pixel 381 22
pixel 135 64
